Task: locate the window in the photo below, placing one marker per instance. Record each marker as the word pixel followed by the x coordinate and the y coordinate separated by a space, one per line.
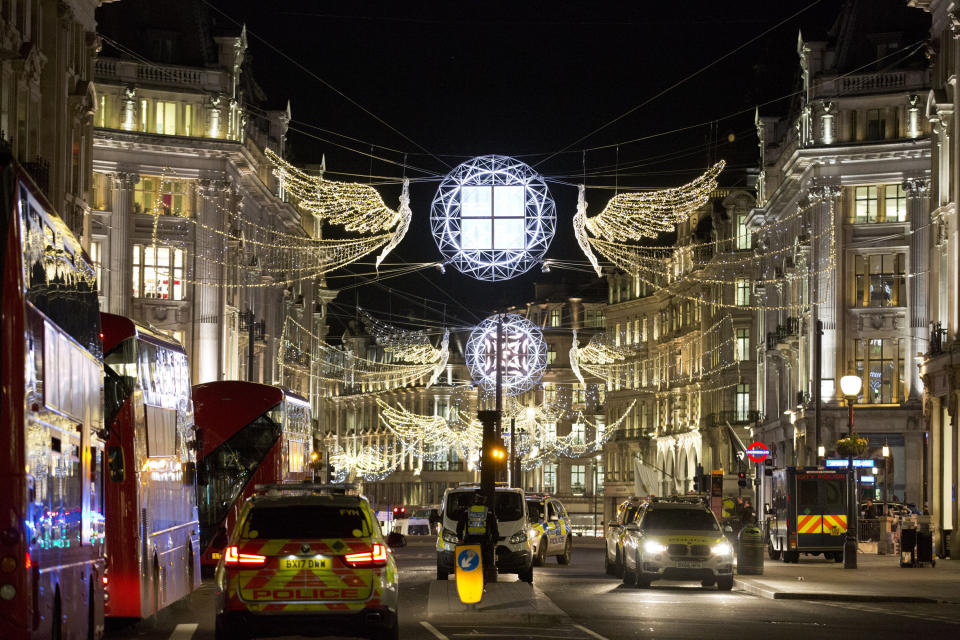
pixel 492 217
pixel 188 119
pixel 96 261
pixel 880 365
pixel 102 111
pixel 550 477
pixel 744 239
pixel 172 197
pixel 598 470
pixel 743 292
pixel 549 393
pixel 866 204
pixel 158 272
pixel 555 317
pixel 743 344
pixel 895 203
pixel 551 353
pixel 166 113
pixel 101 191
pixel 742 400
pixel 876 125
pixel 643 329
pixel 143 115
pixel 880 280
pixel 578 432
pixel 578 475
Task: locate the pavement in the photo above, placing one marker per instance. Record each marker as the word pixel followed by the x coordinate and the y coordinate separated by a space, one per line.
pixel 502 602
pixel 877 579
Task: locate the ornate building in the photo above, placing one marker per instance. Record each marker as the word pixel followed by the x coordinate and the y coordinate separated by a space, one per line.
pixel 690 366
pixel 47 98
pixel 188 219
pixel 841 230
pixel 941 240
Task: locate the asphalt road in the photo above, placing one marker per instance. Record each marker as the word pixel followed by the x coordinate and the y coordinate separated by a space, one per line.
pixel 598 607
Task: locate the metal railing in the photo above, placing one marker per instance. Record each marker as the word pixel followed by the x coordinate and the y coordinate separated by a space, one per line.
pixel 721 418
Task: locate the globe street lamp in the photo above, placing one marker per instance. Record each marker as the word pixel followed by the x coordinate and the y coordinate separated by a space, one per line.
pixel 850 386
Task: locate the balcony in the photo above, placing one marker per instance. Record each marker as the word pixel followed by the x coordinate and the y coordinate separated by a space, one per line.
pixel 627 435
pixel 734 417
pixel 867 83
pixel 937 332
pixel 786 335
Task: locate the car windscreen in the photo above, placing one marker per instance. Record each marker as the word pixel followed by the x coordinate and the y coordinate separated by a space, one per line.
pixel 535 510
pixel 509 505
pixel 679 520
pixel 306 521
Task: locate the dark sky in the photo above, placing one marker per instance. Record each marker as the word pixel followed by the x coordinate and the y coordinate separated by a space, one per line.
pixel 523 78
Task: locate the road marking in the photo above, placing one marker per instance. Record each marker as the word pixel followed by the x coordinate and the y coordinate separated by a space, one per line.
pixel 432 629
pixel 184 631
pixel 592 634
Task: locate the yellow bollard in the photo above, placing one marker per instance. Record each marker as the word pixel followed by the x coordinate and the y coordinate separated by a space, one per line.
pixel 469 572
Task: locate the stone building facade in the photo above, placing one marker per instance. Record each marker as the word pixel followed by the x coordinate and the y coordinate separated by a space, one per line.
pixel 841 222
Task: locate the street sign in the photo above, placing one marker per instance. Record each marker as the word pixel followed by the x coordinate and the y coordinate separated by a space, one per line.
pixel 757 452
pixel 469 572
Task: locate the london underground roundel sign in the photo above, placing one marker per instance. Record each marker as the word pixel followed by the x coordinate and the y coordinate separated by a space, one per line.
pixel 757 452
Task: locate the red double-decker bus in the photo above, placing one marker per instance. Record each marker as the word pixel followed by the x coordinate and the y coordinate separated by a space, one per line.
pixel 51 412
pixel 250 434
pixel 153 535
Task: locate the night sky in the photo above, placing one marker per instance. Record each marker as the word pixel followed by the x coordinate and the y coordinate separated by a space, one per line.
pixel 525 79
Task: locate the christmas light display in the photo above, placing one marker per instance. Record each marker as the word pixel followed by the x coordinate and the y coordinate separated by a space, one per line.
pixel 523 355
pixel 633 215
pixel 408 346
pixel 493 218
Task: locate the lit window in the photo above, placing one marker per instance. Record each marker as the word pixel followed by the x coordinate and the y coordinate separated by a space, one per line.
pixel 866 201
pixel 492 217
pixel 880 280
pixel 895 203
pixel 550 477
pixel 578 432
pixel 102 111
pixel 166 113
pixel 143 115
pixel 172 198
pixel 743 292
pixel 96 260
pixel 578 475
pixel 743 344
pixel 158 272
pixel 744 239
pixel 743 403
pixel 880 366
pixel 101 191
pixel 555 317
pixel 551 353
pixel 188 119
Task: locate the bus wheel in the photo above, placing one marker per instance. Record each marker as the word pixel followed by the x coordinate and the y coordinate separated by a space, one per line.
pixel 56 620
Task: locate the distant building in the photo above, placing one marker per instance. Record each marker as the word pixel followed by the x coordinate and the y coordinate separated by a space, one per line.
pixel 842 228
pixel 179 172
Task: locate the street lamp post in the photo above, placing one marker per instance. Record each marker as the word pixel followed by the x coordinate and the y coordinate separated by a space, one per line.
pixel 886 459
pixel 850 386
pixel 596 484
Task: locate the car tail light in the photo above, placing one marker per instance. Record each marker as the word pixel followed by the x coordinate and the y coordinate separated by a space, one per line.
pixel 376 557
pixel 27 563
pixel 233 557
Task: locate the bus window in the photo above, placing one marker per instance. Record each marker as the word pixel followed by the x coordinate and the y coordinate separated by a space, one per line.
pixel 120 367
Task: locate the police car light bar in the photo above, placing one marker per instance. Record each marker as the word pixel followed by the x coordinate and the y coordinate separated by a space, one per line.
pixel 307 487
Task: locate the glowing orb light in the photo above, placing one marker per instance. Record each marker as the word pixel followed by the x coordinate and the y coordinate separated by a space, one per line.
pixel 493 218
pixel 524 355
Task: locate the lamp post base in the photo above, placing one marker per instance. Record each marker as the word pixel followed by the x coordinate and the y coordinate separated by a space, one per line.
pixel 850 554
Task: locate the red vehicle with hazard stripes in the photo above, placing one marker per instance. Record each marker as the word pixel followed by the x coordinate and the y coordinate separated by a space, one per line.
pixel 249 434
pixel 306 559
pixel 808 513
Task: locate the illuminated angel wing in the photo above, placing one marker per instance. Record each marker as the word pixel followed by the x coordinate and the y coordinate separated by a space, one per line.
pixel 403 344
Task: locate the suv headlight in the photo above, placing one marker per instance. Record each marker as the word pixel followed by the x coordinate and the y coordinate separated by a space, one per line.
pixel 518 537
pixel 654 547
pixel 721 549
pixel 450 536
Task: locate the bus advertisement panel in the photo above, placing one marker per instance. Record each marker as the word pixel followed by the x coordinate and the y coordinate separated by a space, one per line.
pixel 249 434
pixel 51 406
pixel 153 534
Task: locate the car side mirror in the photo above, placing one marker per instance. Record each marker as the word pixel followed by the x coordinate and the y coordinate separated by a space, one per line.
pixel 220 540
pixel 554 519
pixel 728 529
pixel 396 539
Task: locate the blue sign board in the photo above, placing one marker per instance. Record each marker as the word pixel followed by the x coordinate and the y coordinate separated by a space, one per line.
pixel 842 462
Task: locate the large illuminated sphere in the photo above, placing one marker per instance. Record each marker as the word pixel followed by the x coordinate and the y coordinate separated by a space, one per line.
pixel 524 354
pixel 493 218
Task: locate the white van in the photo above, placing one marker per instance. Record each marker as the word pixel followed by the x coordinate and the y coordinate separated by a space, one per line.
pixel 514 554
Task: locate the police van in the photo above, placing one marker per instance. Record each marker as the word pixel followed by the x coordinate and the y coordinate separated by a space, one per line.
pixel 513 550
pixel 549 530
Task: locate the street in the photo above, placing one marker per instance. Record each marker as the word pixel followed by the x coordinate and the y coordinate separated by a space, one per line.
pixel 598 606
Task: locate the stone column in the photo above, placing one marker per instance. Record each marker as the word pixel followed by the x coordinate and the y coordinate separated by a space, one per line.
pixel 121 272
pixel 827 244
pixel 207 311
pixel 919 265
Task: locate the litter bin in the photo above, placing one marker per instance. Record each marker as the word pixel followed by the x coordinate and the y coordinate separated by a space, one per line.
pixel 750 553
pixel 908 547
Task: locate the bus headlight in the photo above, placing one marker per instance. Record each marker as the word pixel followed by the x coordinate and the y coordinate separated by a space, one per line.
pixel 721 549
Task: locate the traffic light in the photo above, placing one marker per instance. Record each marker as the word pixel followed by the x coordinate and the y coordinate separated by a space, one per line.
pixel 496 452
pixel 742 478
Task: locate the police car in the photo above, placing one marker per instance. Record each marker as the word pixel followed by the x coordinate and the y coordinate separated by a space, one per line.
pixel 677 539
pixel 513 553
pixel 306 559
pixel 549 529
pixel 627 512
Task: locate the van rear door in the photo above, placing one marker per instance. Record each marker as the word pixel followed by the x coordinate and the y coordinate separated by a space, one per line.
pixel 821 510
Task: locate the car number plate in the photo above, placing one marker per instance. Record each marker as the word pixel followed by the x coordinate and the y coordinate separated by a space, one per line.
pixel 306 563
pixel 688 564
